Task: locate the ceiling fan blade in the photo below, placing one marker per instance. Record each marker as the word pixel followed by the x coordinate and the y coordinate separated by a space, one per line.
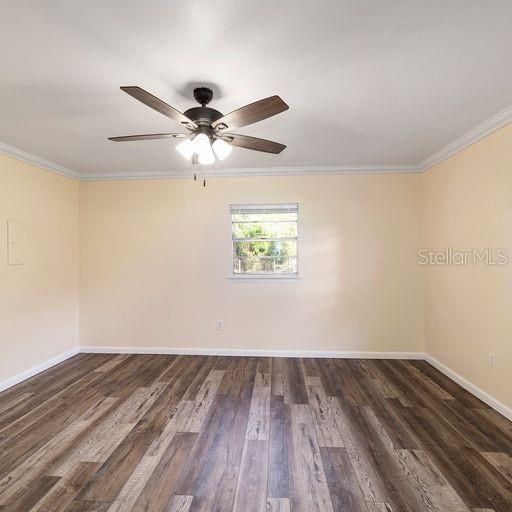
pixel 149 136
pixel 244 141
pixel 252 113
pixel 158 105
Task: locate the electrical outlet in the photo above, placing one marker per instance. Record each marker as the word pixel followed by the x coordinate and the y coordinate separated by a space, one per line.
pixel 220 325
pixel 492 359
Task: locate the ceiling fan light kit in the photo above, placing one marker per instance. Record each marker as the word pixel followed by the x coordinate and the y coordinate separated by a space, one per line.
pixel 209 131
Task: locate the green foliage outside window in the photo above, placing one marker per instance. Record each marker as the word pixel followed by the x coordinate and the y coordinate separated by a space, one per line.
pixel 264 243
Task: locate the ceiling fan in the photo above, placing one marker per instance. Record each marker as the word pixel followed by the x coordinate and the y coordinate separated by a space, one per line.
pixel 209 131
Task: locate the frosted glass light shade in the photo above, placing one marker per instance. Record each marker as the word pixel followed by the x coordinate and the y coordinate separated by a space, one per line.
pixel 206 156
pixel 186 148
pixel 222 149
pixel 201 144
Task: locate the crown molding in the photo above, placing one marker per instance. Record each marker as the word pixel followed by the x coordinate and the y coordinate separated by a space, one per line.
pixel 479 132
pixel 260 171
pixel 489 126
pixel 29 158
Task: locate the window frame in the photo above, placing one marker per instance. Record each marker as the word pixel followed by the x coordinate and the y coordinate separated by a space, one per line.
pixel 263 276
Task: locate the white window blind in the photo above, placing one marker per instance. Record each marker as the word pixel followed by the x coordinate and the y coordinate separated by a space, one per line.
pixel 265 239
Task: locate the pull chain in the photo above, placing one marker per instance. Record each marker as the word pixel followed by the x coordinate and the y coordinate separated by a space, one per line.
pixel 194 163
pixel 204 180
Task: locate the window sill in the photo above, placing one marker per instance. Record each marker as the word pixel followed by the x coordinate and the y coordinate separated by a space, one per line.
pixel 262 278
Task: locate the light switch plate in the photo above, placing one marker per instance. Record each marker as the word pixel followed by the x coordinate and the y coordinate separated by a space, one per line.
pixel 15 242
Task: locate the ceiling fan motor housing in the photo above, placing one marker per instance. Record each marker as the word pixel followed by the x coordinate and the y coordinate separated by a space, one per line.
pixel 203 116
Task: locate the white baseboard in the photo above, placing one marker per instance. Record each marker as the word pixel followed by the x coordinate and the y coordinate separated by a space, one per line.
pixel 469 386
pixel 16 379
pixel 248 352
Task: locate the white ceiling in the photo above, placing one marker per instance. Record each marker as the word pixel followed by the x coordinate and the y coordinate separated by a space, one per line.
pixel 369 82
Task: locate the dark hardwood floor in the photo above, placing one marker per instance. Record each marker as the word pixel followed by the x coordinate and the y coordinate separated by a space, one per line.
pixel 158 433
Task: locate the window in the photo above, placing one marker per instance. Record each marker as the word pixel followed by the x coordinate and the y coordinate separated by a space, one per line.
pixel 264 239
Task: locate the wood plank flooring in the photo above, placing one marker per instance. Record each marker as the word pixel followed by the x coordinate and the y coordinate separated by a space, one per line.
pixel 158 433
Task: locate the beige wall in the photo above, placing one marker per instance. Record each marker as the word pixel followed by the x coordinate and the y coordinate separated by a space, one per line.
pixel 38 300
pixel 155 260
pixel 468 204
pixel 145 280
